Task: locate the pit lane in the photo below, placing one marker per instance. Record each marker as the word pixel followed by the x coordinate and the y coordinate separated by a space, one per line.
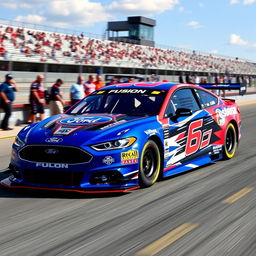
pixel 208 211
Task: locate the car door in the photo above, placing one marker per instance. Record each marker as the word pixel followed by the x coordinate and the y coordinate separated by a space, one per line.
pixel 186 138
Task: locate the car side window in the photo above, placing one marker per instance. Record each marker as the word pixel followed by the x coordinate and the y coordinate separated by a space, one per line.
pixel 183 98
pixel 206 99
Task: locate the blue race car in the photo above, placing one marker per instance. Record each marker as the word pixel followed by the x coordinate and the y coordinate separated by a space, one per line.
pixel 125 136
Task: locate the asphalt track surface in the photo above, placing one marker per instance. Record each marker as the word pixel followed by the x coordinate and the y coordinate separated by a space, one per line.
pixel 208 211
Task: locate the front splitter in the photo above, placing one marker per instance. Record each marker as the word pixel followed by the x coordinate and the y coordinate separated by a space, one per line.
pixel 9 184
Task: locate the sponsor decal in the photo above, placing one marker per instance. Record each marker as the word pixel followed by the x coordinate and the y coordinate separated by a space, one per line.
pixel 52 165
pixel 100 92
pixel 123 132
pixel 54 140
pixel 51 151
pixel 151 131
pixel 108 160
pixel 156 92
pixel 64 131
pixel 113 124
pixel 216 149
pixel 136 91
pixel 223 113
pixel 130 157
pixel 52 122
pixel 83 120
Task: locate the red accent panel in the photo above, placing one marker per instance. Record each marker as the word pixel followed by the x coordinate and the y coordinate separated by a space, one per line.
pixel 181 136
pixel 169 168
pixel 69 190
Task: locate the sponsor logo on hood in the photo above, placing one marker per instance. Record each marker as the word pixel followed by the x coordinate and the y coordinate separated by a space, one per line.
pixel 85 120
pixel 54 140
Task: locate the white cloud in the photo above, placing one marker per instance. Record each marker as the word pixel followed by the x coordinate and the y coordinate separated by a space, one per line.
pixel 194 24
pixel 63 13
pixel 234 1
pixel 245 2
pixel 181 9
pixel 31 18
pixel 248 2
pixel 67 13
pixel 201 5
pixel 141 7
pixel 237 40
pixel 9 5
pixel 24 4
pixel 80 13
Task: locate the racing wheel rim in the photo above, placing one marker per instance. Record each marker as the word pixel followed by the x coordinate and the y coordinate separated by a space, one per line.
pixel 230 142
pixel 149 164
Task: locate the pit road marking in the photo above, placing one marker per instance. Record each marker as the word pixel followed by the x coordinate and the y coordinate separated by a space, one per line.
pixel 238 195
pixel 166 240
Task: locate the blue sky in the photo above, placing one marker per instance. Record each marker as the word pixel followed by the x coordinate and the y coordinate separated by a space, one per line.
pixel 224 27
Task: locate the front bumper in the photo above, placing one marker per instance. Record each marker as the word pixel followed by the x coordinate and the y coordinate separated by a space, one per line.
pixel 9 183
pixel 104 173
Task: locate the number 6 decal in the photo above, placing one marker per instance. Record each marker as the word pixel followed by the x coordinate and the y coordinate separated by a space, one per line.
pixel 194 141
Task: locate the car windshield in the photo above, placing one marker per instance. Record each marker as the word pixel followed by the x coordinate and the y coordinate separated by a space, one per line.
pixel 139 102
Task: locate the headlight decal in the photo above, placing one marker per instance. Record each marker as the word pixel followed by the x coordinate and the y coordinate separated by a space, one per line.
pixel 18 142
pixel 115 144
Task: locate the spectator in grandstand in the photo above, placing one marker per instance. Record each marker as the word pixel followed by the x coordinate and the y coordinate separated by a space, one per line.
pixel 36 99
pixel 225 79
pixel 112 81
pixel 130 80
pixel 238 79
pixel 7 96
pixel 188 79
pixel 89 86
pixel 250 81
pixel 181 78
pixel 99 83
pixel 216 79
pixel 77 90
pixel 230 79
pixel 56 100
pixel 2 51
pixel 210 78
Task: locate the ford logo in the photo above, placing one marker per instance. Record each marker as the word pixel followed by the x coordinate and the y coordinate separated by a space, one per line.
pixel 51 151
pixel 54 140
pixel 86 120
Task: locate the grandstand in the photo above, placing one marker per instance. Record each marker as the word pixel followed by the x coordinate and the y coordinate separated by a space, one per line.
pixel 25 52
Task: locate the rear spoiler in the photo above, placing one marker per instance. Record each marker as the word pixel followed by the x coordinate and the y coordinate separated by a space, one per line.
pixel 240 87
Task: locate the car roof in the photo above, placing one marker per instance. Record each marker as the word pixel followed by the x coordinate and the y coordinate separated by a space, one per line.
pixel 144 85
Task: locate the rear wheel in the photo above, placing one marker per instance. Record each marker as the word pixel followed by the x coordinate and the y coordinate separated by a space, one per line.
pixel 230 145
pixel 150 163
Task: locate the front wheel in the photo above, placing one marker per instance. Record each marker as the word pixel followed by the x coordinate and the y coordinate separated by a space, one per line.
pixel 150 162
pixel 230 145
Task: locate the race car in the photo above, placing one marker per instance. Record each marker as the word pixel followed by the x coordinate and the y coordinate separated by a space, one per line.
pixel 125 136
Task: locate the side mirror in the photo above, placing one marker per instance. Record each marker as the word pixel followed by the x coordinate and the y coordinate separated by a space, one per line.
pixel 183 112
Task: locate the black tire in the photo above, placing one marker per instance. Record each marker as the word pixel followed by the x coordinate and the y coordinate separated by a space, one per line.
pixel 230 144
pixel 150 163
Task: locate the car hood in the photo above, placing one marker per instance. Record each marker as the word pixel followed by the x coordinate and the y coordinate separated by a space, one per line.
pixel 85 129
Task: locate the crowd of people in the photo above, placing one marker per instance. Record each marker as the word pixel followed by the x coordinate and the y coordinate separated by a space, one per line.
pixel 40 96
pixel 56 47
